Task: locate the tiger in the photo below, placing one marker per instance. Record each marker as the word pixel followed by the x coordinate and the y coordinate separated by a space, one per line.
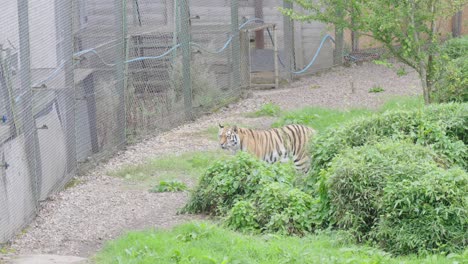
pixel 271 145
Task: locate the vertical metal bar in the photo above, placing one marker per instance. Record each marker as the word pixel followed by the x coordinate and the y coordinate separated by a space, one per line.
pixel 244 58
pixel 120 7
pixel 235 84
pixel 64 21
pixel 249 58
pixel 288 29
pixel 186 56
pixel 125 84
pixel 175 29
pixel 28 124
pixel 275 37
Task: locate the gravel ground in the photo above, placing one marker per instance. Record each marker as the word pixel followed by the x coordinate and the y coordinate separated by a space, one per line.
pixel 78 220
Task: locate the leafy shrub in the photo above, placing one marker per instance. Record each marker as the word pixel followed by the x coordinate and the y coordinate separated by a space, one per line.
pixel 242 216
pixel 455 48
pixel 283 209
pixel 444 128
pixel 397 194
pixel 452 72
pixel 356 178
pixel 238 178
pixel 169 186
pixel 425 214
pixel 453 83
pixel 277 208
pixel 254 196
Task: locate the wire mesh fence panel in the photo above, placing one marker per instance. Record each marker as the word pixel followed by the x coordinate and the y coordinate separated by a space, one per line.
pixel 99 77
pixel 215 42
pixel 152 104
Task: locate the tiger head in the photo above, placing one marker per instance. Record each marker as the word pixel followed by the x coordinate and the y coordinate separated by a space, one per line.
pixel 229 138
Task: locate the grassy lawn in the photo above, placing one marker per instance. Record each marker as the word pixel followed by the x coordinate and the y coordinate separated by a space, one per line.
pixel 188 165
pixel 321 118
pixel 202 242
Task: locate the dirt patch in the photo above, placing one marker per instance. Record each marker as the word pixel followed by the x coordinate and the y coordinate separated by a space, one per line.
pixel 78 220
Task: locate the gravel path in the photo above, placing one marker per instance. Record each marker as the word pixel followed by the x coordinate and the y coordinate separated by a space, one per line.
pixel 78 220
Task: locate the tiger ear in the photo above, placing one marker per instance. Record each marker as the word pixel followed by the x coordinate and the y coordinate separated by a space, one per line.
pixel 220 126
pixel 234 128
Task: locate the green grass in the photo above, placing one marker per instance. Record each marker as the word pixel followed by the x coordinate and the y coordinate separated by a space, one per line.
pixel 167 168
pixel 169 186
pixel 72 183
pixel 268 109
pixel 376 89
pixel 322 118
pixel 403 103
pixel 319 118
pixel 207 243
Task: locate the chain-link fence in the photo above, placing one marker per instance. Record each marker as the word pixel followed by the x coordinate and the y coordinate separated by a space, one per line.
pixel 81 78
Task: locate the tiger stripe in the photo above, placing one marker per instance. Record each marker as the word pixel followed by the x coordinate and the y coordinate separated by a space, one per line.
pixel 272 145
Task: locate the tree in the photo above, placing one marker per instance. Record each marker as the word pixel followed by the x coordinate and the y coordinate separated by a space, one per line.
pixel 409 29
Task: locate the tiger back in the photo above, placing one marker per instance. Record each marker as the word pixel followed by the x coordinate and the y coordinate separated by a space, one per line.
pixel 271 145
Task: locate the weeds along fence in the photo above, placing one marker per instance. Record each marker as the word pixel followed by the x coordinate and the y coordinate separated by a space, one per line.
pixel 81 78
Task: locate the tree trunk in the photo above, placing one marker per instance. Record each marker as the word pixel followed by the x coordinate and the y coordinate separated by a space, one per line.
pixel 426 85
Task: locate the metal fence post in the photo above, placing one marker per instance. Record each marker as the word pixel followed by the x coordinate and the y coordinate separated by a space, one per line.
pixel 65 24
pixel 28 124
pixel 288 26
pixel 186 56
pixel 244 58
pixel 120 7
pixel 276 65
pixel 235 44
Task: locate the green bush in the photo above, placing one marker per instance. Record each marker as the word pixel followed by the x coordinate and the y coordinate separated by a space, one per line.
pixel 452 72
pixel 277 208
pixel 371 191
pixel 453 83
pixel 237 178
pixel 455 48
pixel 242 216
pixel 355 180
pixel 285 210
pixel 427 214
pixel 443 128
pixel 253 196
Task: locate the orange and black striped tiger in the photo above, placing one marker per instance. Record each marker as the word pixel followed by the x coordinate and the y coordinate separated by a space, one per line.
pixel 272 145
